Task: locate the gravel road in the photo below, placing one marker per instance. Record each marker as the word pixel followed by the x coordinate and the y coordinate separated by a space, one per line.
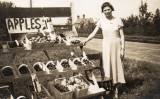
pixel 135 50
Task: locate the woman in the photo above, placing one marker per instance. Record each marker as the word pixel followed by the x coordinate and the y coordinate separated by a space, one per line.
pixel 113 45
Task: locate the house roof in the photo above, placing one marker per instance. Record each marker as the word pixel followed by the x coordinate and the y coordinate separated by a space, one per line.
pixel 79 20
pixel 91 20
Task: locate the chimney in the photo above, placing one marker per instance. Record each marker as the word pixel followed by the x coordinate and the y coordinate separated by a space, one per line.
pixel 78 16
pixel 83 16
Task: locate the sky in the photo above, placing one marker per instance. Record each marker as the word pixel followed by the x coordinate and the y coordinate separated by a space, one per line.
pixel 92 8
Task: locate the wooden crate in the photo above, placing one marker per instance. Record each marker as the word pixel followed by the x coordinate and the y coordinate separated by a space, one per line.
pixel 5 93
pixel 25 70
pixel 39 45
pixel 13 47
pixel 1 47
pixel 57 94
pixel 78 93
pixel 11 71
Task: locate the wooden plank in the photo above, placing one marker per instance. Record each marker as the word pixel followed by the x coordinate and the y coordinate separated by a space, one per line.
pixel 94 56
pixel 35 12
pixel 91 95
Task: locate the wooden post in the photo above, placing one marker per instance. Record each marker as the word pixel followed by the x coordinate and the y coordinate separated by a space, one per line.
pixel 30 3
pixel 72 15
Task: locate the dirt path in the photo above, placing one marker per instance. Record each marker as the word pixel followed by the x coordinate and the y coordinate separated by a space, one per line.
pixel 134 50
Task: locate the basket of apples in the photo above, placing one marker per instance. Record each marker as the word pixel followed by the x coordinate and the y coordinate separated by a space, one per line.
pixel 65 64
pixel 87 63
pixel 40 68
pixel 51 66
pixel 71 40
pixel 59 89
pixel 78 63
pixel 40 40
pixel 78 85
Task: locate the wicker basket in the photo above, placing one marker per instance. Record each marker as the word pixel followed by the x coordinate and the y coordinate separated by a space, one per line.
pixel 50 69
pixel 57 94
pixel 81 66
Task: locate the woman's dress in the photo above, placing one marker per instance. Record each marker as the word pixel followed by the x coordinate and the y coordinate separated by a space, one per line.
pixel 111 46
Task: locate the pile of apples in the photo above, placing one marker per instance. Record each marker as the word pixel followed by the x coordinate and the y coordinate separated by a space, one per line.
pixel 65 63
pixel 71 40
pixel 75 41
pixel 75 83
pixel 72 84
pixel 39 39
pixel 85 60
pixel 51 37
pixel 51 65
pixel 77 62
pixel 61 88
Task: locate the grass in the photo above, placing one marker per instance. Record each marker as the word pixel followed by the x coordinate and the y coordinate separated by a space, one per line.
pixel 142 78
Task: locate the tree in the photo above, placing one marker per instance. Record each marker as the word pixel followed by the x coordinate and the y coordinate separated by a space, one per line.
pixel 142 13
pixel 3 28
pixel 145 18
pixel 146 24
pixel 156 21
pixel 6 4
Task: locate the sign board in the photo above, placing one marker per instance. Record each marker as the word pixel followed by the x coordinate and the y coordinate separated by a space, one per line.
pixel 26 25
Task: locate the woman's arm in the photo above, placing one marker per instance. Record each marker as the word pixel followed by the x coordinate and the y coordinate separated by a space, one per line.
pixel 122 38
pixel 92 34
pixel 122 42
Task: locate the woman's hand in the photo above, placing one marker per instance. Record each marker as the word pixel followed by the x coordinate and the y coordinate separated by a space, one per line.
pixel 83 43
pixel 122 53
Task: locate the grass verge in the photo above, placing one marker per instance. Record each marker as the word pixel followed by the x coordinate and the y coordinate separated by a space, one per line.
pixel 132 38
pixel 142 78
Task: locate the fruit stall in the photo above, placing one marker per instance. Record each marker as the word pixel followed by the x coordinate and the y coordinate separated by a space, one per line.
pixel 54 79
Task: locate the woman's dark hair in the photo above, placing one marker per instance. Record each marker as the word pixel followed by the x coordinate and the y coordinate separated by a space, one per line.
pixel 105 4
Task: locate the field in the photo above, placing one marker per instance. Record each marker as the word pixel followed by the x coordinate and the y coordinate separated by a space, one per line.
pixel 142 77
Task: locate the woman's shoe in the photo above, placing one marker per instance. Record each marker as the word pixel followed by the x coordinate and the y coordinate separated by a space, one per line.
pixel 107 78
pixel 115 93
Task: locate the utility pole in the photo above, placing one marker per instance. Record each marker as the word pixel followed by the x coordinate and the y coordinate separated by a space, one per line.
pixel 30 3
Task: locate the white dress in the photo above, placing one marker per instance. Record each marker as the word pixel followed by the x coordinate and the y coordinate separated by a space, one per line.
pixel 112 64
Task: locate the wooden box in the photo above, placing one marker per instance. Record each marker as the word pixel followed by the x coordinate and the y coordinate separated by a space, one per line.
pixel 39 45
pixel 8 72
pixel 1 47
pixel 13 47
pixel 57 94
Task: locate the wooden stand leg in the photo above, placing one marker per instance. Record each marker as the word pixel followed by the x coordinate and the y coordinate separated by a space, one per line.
pixel 46 53
pixel 13 56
